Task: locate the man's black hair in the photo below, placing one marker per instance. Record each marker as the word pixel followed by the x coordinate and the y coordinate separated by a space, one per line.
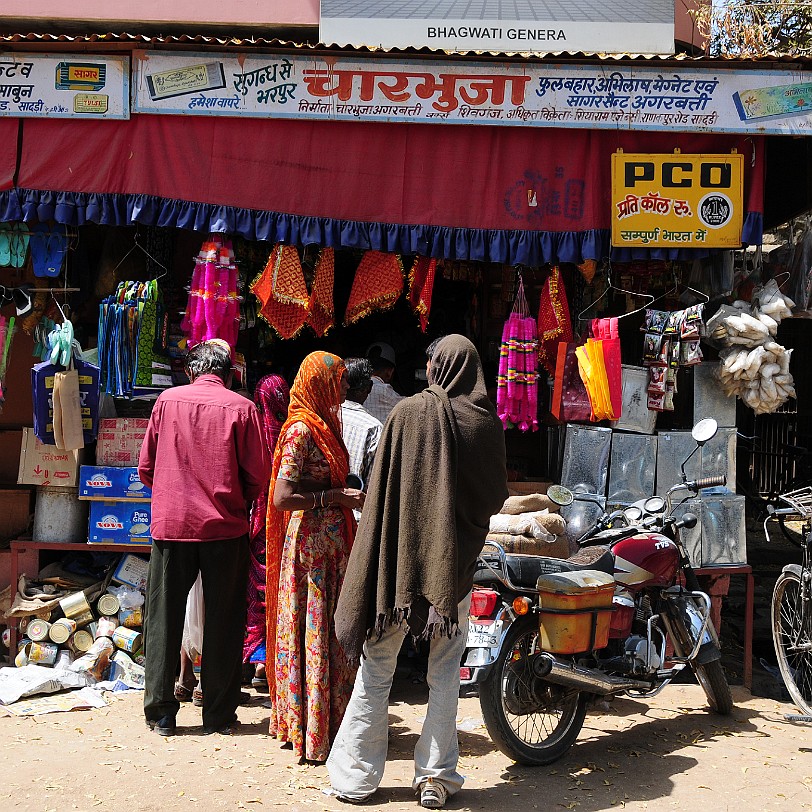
pixel 359 373
pixel 377 361
pixel 430 350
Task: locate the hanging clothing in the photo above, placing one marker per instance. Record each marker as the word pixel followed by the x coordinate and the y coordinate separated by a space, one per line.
pixel 377 285
pixel 271 396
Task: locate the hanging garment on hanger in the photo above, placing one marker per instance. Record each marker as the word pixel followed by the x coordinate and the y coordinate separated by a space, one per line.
pixel 282 292
pixel 321 307
pixel 517 382
pixel 377 285
pixel 554 323
pixel 421 282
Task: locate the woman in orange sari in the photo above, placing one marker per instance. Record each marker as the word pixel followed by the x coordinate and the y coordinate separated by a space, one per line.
pixel 309 534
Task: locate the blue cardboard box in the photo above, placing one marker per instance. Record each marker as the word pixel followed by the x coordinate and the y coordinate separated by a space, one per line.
pixel 103 482
pixel 119 522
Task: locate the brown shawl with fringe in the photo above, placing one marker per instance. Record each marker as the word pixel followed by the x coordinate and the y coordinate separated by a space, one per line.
pixel 439 475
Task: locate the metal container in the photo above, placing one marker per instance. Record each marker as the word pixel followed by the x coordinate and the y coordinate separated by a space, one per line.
pixel 632 467
pixel 108 605
pixel 43 653
pixel 64 658
pixel 723 530
pixel 77 608
pixel 80 642
pixel 710 399
pixel 127 639
pixel 716 458
pixel 38 630
pixel 61 630
pixel 691 538
pixel 585 466
pixel 21 660
pixel 635 415
pixel 106 627
pixel 59 516
pixel 131 618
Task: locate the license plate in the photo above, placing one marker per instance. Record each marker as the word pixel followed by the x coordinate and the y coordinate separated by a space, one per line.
pixel 484 635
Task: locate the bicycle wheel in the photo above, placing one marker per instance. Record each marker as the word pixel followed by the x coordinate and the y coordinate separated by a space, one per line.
pixel 793 529
pixel 792 634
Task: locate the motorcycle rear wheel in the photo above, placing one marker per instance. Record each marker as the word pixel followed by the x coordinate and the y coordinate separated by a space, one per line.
pixel 714 683
pixel 532 721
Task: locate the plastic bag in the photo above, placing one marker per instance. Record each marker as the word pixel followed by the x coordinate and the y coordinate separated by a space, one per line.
pixel 192 641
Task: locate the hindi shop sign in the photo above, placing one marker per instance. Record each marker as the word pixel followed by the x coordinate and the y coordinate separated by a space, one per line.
pixel 459 92
pixel 64 86
pixel 677 201
pixel 610 26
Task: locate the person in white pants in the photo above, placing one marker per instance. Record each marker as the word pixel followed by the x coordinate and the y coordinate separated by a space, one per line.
pixel 358 756
pixel 439 475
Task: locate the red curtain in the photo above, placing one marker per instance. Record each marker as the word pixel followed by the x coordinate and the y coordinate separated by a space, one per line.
pixel 477 177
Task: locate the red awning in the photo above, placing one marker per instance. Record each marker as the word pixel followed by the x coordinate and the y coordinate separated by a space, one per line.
pixel 489 185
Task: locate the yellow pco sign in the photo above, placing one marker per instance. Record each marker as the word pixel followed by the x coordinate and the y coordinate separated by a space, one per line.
pixel 677 201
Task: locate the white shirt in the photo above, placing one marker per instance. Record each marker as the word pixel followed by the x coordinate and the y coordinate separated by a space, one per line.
pixel 382 399
pixel 362 433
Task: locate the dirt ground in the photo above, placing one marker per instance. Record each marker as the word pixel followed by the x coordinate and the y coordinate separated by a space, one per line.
pixel 663 754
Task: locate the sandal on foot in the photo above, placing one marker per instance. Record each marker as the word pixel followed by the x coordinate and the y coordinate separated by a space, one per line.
pixel 182 693
pixel 433 795
pixel 197 697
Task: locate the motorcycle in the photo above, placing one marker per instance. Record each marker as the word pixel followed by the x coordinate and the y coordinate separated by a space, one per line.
pixel 547 635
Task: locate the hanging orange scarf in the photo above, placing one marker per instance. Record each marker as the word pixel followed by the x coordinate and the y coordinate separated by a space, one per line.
pixel 282 291
pixel 377 285
pixel 322 311
pixel 315 399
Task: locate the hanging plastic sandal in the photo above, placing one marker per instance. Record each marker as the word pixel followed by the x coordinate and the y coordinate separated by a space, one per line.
pixel 19 239
pixel 433 795
pixel 5 245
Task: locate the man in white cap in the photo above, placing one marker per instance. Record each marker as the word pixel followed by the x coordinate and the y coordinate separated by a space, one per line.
pixel 382 398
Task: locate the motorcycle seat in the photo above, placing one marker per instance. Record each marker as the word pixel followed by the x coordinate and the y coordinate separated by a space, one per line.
pixel 525 570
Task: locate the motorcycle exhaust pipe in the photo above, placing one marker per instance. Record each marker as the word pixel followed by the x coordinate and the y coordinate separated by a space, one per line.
pixel 546 666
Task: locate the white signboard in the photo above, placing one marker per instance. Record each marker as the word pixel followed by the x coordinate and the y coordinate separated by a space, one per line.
pixel 506 94
pixel 542 26
pixel 64 86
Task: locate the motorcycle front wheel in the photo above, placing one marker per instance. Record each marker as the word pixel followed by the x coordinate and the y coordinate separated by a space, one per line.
pixel 532 721
pixel 714 683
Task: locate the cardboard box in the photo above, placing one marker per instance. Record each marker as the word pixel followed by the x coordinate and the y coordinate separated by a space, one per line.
pixel 132 570
pixel 119 442
pixel 46 464
pixel 119 522
pixel 106 482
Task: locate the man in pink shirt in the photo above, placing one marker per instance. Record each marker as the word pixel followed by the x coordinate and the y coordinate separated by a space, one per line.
pixel 204 458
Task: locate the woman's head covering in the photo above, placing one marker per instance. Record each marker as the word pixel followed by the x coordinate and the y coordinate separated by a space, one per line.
pixel 272 397
pixel 315 397
pixel 456 368
pixel 315 400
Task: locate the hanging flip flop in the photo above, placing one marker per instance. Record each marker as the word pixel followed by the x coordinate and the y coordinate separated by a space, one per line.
pixel 48 247
pixel 22 300
pixel 19 238
pixel 5 244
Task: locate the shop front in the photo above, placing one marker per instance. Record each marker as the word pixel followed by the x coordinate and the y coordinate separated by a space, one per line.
pixel 409 199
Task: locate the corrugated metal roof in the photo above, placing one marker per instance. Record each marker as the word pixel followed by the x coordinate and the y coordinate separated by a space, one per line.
pixel 259 42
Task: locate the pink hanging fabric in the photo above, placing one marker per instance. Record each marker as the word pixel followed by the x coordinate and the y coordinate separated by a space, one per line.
pixel 517 382
pixel 213 309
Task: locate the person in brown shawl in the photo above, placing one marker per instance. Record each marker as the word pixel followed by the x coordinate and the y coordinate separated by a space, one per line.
pixel 439 474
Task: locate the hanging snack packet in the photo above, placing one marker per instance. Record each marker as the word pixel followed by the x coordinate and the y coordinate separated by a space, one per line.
pixel 674 324
pixel 665 352
pixel 690 353
pixel 673 353
pixel 656 401
pixel 657 379
pixel 668 402
pixel 655 321
pixel 692 324
pixel 671 380
pixel 652 343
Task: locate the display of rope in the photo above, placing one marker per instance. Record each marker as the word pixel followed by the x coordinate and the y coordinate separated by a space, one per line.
pixel 517 383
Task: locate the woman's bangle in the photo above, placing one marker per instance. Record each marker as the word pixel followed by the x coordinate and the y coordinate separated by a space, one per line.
pixel 315 500
pixel 328 497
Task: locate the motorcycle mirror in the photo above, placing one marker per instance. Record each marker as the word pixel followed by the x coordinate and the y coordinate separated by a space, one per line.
pixel 704 430
pixel 560 495
pixel 689 519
